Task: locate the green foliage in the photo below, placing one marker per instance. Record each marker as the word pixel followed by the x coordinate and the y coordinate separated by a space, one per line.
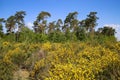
pixel 9 37
pixel 42 15
pixel 102 39
pixel 40 37
pixel 18 57
pixel 6 70
pixel 56 31
pixel 10 24
pixel 1 35
pixel 56 37
pixel 81 34
pixel 111 72
pixel 71 20
pixel 108 31
pixel 26 35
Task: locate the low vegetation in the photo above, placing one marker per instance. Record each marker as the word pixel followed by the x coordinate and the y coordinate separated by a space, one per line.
pixel 76 60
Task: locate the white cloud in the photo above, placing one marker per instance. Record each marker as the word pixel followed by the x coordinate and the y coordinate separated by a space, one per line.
pixel 117 29
pixel 29 25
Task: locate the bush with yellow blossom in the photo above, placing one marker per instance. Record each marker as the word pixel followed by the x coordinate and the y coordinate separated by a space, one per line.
pixel 78 61
pixel 62 61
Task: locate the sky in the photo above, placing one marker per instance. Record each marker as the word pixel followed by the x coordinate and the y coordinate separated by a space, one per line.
pixel 108 11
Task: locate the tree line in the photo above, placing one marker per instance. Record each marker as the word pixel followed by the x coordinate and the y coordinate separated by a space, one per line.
pixel 61 30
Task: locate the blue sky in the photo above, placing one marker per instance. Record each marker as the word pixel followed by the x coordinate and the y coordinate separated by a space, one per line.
pixel 108 10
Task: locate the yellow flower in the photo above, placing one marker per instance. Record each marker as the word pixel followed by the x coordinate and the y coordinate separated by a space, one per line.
pixel 46 46
pixel 6 43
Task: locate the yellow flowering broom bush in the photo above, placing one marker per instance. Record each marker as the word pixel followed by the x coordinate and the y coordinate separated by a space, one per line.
pixel 63 61
pixel 78 61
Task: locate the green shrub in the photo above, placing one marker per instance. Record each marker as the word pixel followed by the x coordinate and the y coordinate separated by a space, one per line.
pixel 6 70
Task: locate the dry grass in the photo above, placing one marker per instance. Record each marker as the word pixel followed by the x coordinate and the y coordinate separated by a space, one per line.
pixel 21 75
